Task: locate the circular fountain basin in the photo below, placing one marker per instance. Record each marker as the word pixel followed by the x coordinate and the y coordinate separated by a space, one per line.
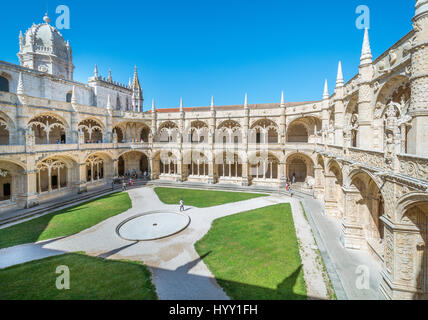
pixel 152 226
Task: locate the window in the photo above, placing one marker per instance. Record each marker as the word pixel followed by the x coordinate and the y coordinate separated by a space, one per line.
pixel 4 84
pixel 68 97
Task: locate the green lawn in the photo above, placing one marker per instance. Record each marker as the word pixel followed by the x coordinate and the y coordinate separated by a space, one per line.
pixel 90 279
pixel 254 255
pixel 65 222
pixel 202 198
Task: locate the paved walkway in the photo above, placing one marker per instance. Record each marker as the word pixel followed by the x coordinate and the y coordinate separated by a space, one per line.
pixel 178 271
pixel 341 263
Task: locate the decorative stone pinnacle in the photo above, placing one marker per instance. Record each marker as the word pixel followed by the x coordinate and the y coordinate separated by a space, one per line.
pixel 326 95
pixel 282 99
pixel 366 53
pixel 339 81
pixel 20 89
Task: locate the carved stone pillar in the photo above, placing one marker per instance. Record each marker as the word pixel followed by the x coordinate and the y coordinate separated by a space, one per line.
pixel 27 197
pixel 245 181
pixel 81 184
pixel 419 82
pixel 353 236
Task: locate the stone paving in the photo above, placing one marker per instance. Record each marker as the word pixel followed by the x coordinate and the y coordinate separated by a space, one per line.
pixel 178 272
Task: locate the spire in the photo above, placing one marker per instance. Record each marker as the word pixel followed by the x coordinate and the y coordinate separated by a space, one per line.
pixel 326 95
pixel 181 104
pixel 246 101
pixel 73 96
pixel 366 53
pixel 130 83
pixel 109 79
pixel 96 72
pixel 282 100
pixel 20 89
pixel 153 106
pixel 136 81
pixel 339 80
pixel 109 103
pixel 212 103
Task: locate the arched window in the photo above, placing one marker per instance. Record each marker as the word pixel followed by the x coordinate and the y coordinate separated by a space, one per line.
pixel 68 97
pixel 4 84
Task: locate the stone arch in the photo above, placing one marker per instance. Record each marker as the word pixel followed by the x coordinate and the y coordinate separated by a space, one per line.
pixel 48 128
pixel 167 132
pixel 397 92
pixel 99 166
pixel 264 131
pixel 334 197
pixel 231 124
pixel 196 163
pixel 165 163
pixel 11 180
pixel 133 163
pixel 118 132
pixel 264 166
pixel 298 131
pixel 93 130
pixel 56 172
pixel 197 132
pixel 365 204
pixel 303 130
pixel 7 130
pixel 412 258
pixel 144 132
pixel 229 166
pixel 301 166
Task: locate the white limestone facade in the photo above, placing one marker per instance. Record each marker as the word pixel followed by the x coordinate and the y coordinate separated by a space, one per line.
pixel 363 150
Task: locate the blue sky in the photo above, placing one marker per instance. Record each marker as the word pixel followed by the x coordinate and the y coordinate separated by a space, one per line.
pixel 200 48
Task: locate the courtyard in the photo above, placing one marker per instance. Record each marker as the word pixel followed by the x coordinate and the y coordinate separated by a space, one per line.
pixel 236 246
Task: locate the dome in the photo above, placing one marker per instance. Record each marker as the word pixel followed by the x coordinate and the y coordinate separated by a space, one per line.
pixel 44 49
pixel 45 39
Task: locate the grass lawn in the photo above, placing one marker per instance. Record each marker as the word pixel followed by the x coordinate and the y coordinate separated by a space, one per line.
pixel 254 255
pixel 202 198
pixel 65 222
pixel 90 279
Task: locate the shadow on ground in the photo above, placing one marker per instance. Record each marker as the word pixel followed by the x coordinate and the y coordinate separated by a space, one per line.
pixel 96 278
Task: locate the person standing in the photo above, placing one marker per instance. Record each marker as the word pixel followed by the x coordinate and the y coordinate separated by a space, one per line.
pixel 145 175
pixel 294 178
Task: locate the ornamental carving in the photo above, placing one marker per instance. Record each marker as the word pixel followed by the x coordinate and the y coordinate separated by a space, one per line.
pixel 405 263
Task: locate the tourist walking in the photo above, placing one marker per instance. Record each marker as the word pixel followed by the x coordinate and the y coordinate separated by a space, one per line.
pixel 123 185
pixel 181 204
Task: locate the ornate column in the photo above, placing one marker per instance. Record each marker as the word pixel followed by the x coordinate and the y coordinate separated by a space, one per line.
pixel 351 222
pixel 21 106
pixel 81 184
pixel 419 81
pixel 28 196
pixel 319 183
